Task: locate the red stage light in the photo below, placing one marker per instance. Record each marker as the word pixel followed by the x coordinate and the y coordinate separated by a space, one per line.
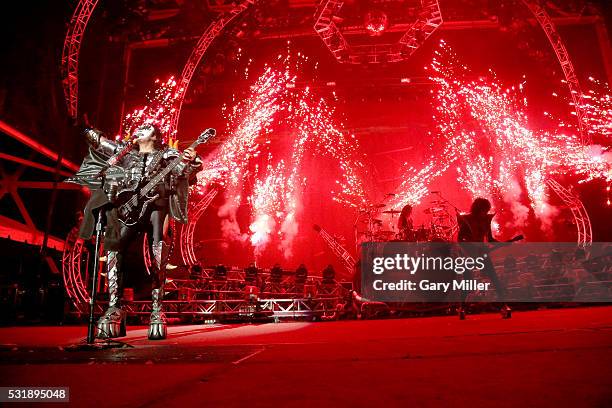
pixel 376 22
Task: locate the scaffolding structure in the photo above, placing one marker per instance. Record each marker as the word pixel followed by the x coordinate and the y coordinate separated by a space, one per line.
pixel 70 53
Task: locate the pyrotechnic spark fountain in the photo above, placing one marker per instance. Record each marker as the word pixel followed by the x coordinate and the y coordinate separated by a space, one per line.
pixel 267 203
pixel 598 109
pixel 481 132
pixel 486 138
pixel 319 129
pixel 161 103
pixel 248 120
pixel 276 191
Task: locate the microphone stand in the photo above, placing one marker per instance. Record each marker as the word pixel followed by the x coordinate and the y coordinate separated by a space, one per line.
pixel 446 201
pixel 99 232
pixel 100 227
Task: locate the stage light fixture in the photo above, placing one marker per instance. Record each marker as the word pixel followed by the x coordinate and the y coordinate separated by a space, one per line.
pixel 195 271
pixel 376 22
pixel 301 273
pixel 276 273
pixel 329 275
pixel 250 274
pixel 220 272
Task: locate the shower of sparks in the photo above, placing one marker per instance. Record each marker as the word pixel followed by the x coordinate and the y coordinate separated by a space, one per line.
pixel 248 121
pixel 275 188
pixel 594 162
pixel 161 104
pixel 267 203
pixel 482 132
pixel 596 105
pixel 323 135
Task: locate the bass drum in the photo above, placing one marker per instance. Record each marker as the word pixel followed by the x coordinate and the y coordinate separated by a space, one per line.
pixel 422 234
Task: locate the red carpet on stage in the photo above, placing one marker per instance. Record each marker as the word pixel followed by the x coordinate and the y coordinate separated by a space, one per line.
pixel 552 358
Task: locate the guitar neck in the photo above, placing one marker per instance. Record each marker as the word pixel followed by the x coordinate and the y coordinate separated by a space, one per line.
pixel 162 174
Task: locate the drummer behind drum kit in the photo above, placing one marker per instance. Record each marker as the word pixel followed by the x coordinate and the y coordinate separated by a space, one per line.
pixel 442 224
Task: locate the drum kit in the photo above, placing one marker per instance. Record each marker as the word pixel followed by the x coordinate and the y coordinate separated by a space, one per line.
pixel 374 223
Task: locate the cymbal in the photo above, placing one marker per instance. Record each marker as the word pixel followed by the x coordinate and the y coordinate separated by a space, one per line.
pixel 384 234
pixel 391 212
pixel 370 208
pixel 434 210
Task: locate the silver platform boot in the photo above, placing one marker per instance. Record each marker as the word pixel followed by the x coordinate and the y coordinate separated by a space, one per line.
pixel 157 324
pixel 112 323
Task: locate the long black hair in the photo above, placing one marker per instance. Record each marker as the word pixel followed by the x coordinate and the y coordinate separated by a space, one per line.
pixel 402 222
pixel 406 211
pixel 480 206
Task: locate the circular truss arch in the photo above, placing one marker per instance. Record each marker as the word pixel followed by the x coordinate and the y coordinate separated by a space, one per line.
pixel 584 231
pixel 186 235
pixel 76 255
pixel 571 200
pixel 75 268
pixel 208 36
pixel 556 42
pixel 71 51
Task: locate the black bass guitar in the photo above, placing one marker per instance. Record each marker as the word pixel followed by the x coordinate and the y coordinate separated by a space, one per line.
pixel 132 203
pixel 500 244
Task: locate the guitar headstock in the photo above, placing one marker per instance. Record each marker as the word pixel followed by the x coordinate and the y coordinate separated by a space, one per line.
pixel 205 136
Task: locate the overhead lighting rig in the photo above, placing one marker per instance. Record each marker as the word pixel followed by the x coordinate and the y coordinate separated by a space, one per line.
pixel 326 18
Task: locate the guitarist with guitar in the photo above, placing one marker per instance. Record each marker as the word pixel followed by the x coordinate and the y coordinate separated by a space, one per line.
pixel 476 227
pixel 153 187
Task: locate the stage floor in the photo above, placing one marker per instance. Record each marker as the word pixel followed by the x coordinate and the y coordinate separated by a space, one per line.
pixel 558 357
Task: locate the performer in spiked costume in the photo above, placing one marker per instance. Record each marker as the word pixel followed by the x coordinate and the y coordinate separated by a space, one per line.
pixel 126 167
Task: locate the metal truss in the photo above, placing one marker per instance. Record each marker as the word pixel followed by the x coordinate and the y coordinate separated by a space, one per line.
pixel 429 19
pixel 227 298
pixel 10 183
pixel 213 30
pixel 70 53
pixel 277 308
pixel 581 217
pixel 75 268
pixel 329 31
pixel 186 234
pixel 208 287
pixel 294 308
pixel 207 294
pixel 341 253
pixel 566 65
